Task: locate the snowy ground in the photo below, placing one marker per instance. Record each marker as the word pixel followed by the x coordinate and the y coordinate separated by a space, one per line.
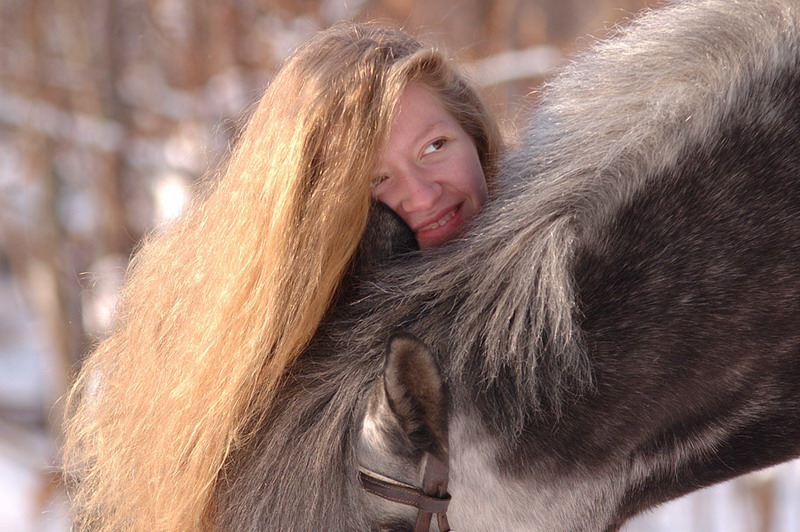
pixel 28 503
pixel 27 454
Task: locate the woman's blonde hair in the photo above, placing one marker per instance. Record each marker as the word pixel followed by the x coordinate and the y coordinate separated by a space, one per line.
pixel 220 304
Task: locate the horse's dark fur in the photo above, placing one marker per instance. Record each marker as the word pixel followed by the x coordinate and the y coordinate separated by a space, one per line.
pixel 620 327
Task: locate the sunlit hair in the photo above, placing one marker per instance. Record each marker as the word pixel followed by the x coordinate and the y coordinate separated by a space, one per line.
pixel 218 305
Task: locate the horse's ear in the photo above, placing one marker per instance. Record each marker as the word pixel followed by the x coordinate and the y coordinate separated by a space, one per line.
pixel 416 393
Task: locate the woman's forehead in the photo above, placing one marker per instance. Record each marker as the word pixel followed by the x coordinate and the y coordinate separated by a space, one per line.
pixel 419 111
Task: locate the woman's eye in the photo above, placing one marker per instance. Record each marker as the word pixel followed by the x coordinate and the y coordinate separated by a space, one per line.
pixel 377 180
pixel 434 146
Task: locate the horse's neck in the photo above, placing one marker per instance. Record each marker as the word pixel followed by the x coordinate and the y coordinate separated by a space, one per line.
pixel 533 498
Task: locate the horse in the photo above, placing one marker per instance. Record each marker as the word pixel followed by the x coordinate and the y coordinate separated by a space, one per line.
pixel 620 325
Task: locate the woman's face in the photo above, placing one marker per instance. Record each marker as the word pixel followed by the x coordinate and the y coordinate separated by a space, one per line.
pixel 429 172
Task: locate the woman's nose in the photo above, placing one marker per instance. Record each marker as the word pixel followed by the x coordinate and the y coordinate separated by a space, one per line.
pixel 421 193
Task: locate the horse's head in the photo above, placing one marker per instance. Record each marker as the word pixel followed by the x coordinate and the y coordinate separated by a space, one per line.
pixel 403 441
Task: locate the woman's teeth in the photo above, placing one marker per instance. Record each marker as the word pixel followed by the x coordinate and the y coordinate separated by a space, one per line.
pixel 440 222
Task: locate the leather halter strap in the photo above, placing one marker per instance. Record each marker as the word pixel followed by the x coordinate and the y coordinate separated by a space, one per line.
pixel 431 499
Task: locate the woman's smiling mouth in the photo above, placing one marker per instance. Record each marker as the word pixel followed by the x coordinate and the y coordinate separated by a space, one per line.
pixel 440 222
pixel 445 227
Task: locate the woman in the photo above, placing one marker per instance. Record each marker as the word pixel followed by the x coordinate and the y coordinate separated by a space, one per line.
pixel 217 306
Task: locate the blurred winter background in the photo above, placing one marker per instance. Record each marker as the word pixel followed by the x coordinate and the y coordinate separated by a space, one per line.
pixel 111 109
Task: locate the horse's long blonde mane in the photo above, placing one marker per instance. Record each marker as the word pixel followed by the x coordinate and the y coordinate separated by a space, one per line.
pixel 219 305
